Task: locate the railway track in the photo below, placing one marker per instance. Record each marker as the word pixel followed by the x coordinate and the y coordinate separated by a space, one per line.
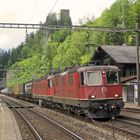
pixel 86 130
pixel 127 125
pixel 128 120
pixel 42 126
pixel 133 110
pixel 129 128
pixel 123 127
pixel 32 134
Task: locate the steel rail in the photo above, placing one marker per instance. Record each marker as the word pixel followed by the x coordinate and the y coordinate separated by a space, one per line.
pixel 128 121
pixel 133 110
pixel 123 130
pixel 58 125
pixel 71 134
pixel 27 122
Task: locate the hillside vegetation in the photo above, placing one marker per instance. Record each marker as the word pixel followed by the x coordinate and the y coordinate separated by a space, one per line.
pixel 56 49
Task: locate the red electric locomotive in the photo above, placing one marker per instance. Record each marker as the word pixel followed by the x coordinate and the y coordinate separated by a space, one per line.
pixel 94 90
pixel 43 90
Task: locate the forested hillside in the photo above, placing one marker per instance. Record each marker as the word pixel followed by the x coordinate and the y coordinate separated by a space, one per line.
pixel 57 49
pixel 4 58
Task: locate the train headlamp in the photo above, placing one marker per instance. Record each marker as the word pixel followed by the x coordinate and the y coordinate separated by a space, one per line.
pixel 116 95
pixel 93 97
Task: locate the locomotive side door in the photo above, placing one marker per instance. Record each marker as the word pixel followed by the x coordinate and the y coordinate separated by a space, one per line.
pixel 81 85
pixel 50 90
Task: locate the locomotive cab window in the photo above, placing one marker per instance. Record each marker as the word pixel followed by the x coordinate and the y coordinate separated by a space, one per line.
pixel 94 78
pixel 82 78
pixel 112 77
pixel 50 83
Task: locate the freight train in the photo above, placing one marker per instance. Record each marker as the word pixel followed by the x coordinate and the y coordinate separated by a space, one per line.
pixel 93 90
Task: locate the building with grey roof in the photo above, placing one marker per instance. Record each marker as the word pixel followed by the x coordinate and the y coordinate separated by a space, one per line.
pixel 122 56
pixel 125 58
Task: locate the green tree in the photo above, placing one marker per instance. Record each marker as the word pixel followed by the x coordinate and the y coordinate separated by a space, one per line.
pixel 51 19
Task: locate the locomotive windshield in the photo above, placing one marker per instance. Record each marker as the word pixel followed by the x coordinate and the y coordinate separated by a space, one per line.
pixel 94 78
pixel 112 77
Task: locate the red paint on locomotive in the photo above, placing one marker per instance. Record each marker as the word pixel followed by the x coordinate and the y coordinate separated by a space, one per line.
pixel 87 87
pixel 40 87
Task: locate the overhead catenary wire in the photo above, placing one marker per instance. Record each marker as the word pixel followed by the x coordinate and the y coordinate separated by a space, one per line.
pixel 53 6
pixel 72 27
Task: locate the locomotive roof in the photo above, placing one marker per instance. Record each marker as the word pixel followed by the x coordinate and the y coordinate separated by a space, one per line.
pixel 88 68
pixel 50 76
pixel 80 69
pixel 99 67
pixel 39 79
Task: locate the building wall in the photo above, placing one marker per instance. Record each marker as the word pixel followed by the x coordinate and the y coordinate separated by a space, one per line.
pixel 128 93
pixel 124 91
pixel 135 94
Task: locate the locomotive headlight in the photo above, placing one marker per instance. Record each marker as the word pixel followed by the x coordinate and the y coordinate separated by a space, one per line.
pixel 93 97
pixel 116 95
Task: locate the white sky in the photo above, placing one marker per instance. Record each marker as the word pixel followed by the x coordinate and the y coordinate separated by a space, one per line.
pixel 34 11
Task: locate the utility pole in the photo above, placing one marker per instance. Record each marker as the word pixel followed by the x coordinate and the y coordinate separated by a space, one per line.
pixel 137 61
pixel 123 16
